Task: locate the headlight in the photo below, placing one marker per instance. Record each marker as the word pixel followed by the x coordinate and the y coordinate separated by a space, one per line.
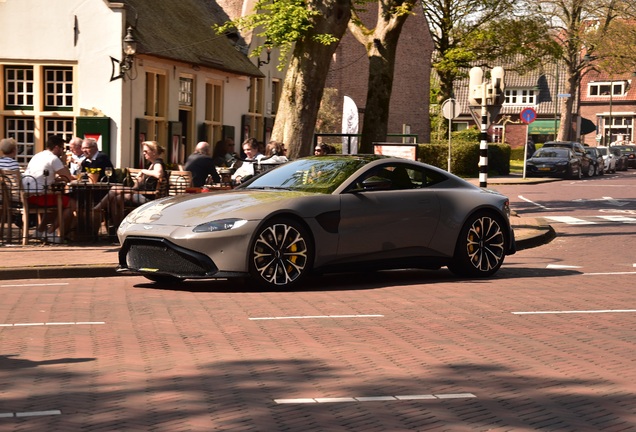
pixel 219 225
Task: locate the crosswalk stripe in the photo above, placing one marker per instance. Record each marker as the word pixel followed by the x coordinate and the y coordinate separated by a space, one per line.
pixel 569 220
pixel 623 219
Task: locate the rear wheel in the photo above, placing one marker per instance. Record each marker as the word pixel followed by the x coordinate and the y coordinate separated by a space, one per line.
pixel 590 170
pixel 481 247
pixel 282 254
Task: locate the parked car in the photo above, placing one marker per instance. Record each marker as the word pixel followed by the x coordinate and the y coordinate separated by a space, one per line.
pixel 630 152
pixel 321 213
pixel 554 162
pixel 587 164
pixel 609 159
pixel 597 160
pixel 622 161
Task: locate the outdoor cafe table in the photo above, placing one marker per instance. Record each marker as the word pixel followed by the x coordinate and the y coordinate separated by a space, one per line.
pixel 88 195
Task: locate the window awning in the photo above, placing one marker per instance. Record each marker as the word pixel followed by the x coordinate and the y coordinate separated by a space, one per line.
pixel 543 127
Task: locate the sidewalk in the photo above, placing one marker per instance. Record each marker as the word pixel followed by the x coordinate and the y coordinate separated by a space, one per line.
pixel 100 260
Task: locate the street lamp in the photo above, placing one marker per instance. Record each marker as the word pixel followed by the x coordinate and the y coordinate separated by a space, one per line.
pixel 486 95
pixel 129 48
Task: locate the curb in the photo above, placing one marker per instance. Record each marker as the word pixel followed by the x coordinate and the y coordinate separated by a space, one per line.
pixel 57 272
pixel 545 237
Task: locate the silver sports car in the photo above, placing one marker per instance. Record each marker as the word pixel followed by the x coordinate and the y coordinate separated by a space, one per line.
pixel 322 214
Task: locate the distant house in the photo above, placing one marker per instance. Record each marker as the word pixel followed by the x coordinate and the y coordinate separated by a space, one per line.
pixel 610 102
pixel 594 108
pixel 185 83
pixel 539 90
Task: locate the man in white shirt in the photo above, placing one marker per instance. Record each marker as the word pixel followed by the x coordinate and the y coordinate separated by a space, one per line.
pixel 40 174
pixel 246 170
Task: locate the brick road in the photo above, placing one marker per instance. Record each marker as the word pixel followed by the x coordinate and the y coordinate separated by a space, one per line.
pixel 442 354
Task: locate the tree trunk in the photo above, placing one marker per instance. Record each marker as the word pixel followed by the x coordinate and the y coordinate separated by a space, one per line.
pixel 381 47
pixel 306 77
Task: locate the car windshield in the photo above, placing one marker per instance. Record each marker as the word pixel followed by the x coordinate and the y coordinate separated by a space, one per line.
pixel 322 174
pixel 602 150
pixel 552 152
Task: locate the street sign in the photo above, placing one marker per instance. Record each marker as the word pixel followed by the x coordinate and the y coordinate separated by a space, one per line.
pixel 564 95
pixel 528 115
pixel 450 109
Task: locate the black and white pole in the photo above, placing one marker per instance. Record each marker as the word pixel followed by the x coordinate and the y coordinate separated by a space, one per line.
pixel 483 141
pixel 485 94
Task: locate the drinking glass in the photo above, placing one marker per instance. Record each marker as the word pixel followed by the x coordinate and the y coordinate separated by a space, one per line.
pixel 109 172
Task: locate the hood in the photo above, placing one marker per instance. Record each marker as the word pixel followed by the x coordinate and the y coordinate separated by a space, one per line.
pixel 192 210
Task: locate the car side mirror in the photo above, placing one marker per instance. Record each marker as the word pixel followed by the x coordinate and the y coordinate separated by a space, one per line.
pixel 376 183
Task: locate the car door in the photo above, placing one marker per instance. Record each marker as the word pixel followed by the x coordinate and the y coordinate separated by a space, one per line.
pixel 394 222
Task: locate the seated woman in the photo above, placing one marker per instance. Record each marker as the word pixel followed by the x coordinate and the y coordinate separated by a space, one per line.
pixel 142 191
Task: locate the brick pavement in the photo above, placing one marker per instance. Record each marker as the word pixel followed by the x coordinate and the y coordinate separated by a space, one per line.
pixel 196 359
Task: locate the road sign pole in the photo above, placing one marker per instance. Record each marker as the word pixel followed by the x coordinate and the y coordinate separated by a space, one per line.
pixel 525 152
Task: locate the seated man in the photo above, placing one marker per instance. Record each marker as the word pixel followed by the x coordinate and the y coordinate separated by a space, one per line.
pixel 94 158
pixel 201 165
pixel 252 154
pixel 40 174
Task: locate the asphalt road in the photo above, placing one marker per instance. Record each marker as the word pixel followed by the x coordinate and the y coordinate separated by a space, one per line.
pixel 548 344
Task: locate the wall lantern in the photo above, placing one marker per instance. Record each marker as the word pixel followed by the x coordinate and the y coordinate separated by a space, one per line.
pixel 129 46
pixel 268 49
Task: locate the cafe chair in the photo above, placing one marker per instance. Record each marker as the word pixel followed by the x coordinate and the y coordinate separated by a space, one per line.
pixel 179 182
pixel 10 203
pixel 52 200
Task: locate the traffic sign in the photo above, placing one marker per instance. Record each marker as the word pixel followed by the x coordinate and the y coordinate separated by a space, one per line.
pixel 450 109
pixel 528 115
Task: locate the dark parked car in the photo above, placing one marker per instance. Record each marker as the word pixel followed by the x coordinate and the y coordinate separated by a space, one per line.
pixel 597 159
pixel 587 164
pixel 554 162
pixel 622 161
pixel 630 152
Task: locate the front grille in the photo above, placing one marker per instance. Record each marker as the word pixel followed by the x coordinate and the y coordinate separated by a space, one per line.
pixel 162 256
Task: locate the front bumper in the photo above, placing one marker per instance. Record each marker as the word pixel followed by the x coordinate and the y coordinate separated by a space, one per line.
pixel 161 257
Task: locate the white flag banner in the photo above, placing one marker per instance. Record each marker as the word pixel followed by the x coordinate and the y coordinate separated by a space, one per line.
pixel 349 126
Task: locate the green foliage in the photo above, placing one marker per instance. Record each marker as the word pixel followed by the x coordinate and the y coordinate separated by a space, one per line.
pixel 465 158
pixel 281 23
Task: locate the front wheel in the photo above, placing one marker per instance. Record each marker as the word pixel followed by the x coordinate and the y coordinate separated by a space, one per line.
pixel 282 254
pixel 590 170
pixel 481 247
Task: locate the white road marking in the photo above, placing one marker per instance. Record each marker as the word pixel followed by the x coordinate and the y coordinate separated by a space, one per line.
pixel 532 202
pixel 623 219
pixel 53 323
pixel 576 312
pixel 315 317
pixel 375 398
pixel 561 266
pixel 608 273
pixel 34 285
pixel 30 413
pixel 569 220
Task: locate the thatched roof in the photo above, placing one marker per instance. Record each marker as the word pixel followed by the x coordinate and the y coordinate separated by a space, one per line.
pixel 182 30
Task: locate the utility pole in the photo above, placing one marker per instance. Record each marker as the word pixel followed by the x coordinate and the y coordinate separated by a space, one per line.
pixel 486 94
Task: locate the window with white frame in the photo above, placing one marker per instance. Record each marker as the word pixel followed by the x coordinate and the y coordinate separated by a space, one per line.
pixel 607 88
pixel 36 100
pixel 521 96
pixel 185 91
pixel 157 106
pixel 58 89
pixel 19 87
